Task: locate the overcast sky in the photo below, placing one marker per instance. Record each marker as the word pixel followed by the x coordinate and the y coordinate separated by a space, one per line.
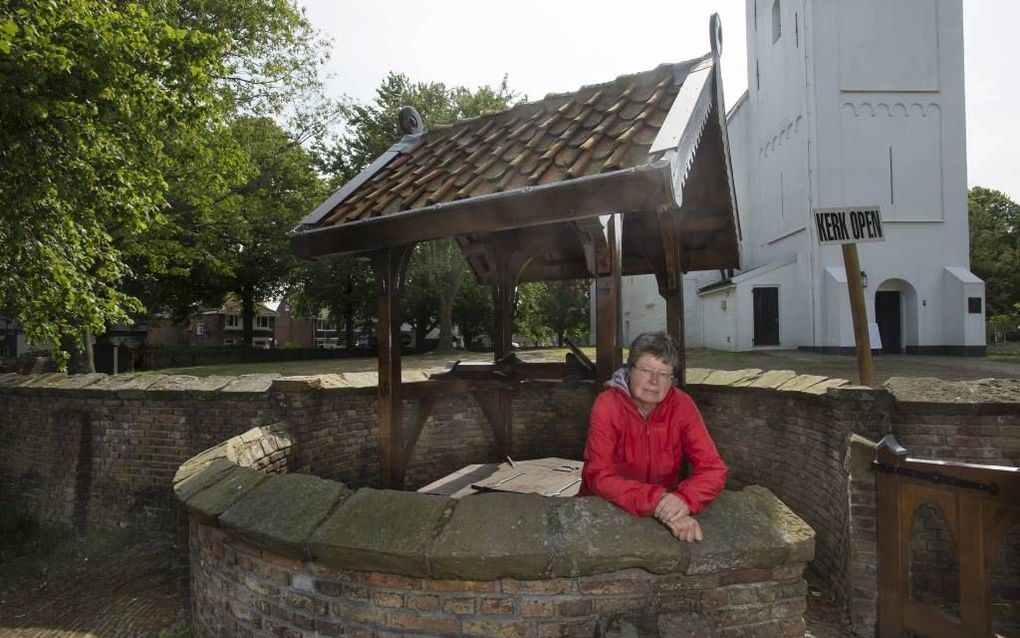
pixel 553 46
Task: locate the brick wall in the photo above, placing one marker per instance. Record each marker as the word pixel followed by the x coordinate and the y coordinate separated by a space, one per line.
pixel 100 451
pixel 241 590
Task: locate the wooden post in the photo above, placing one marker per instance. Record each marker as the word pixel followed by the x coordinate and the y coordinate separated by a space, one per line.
pixel 890 558
pixel 507 266
pixel 388 266
pixel 608 258
pixel 670 277
pixel 860 314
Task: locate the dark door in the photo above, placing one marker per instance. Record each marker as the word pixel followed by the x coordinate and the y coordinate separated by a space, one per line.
pixel 887 314
pixel 766 316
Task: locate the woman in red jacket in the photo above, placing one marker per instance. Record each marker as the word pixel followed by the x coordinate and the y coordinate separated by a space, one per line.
pixel 642 428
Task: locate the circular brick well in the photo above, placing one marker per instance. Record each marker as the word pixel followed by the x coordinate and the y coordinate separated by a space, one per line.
pixel 282 554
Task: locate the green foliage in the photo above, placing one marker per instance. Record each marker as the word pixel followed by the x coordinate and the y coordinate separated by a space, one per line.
pixel 564 307
pixel 89 91
pixel 117 170
pixel 343 287
pixel 472 309
pixel 995 247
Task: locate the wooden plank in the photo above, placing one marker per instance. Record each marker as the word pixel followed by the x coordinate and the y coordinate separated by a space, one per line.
pixel 975 610
pixel 608 347
pixel 553 477
pixel 388 266
pixel 459 484
pixel 928 621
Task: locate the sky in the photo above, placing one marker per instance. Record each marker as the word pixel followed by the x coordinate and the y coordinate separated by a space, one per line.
pixel 554 46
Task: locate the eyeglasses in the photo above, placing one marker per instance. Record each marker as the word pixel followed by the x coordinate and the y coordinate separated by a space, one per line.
pixel 664 377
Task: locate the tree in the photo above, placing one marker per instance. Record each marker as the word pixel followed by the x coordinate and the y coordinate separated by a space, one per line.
pixel 435 270
pixel 94 96
pixel 564 308
pixel 89 89
pixel 472 310
pixel 342 286
pixel 995 247
pixel 282 187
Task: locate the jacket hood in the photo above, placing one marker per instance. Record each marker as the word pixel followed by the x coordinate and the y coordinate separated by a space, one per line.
pixel 620 380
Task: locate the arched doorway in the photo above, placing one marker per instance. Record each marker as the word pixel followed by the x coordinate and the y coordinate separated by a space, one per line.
pixel 896 315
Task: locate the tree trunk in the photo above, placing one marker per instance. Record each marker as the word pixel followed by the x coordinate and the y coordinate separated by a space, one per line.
pixel 349 331
pixel 247 315
pixel 90 352
pixel 445 325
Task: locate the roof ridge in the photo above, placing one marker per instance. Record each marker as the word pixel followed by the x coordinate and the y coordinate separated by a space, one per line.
pixel 553 96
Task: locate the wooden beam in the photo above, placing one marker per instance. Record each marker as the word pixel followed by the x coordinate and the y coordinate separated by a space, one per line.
pixel 388 266
pixel 425 405
pixel 630 190
pixel 608 261
pixel 670 277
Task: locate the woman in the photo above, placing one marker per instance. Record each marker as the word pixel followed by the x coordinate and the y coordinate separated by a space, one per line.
pixel 642 428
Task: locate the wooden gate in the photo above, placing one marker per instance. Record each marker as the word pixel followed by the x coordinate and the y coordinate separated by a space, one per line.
pixel 979 504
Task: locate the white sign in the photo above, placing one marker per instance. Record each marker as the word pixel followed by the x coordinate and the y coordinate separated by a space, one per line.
pixel 848 225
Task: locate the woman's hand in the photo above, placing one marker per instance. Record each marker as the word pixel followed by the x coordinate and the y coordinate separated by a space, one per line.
pixel 686 529
pixel 670 507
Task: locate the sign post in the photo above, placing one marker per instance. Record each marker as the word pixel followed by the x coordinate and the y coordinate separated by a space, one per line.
pixel 848 226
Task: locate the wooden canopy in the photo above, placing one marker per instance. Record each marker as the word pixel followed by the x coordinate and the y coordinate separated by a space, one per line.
pixel 627 177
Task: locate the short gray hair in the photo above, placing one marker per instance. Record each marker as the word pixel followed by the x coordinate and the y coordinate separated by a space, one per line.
pixel 661 345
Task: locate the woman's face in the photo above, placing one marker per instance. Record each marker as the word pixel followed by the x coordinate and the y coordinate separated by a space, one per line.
pixel 650 379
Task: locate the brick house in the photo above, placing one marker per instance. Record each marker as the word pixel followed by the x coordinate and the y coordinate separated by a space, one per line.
pixel 223 326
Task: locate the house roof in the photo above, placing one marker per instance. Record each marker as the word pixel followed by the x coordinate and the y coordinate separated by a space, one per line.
pixel 233 307
pixel 624 146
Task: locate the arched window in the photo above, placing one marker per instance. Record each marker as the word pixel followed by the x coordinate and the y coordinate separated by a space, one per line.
pixel 777 24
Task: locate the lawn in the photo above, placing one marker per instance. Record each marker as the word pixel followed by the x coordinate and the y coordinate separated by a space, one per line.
pixel 1002 362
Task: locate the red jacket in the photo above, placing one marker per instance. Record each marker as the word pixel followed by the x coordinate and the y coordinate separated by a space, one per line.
pixel 631 461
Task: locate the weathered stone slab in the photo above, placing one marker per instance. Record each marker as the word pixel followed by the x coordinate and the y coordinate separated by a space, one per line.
pixel 596 536
pixel 823 387
pixel 496 535
pixel 801 382
pixel 361 379
pixel 11 379
pixel 297 383
pixel 126 383
pixel 201 459
pixel 196 477
pixel 413 376
pixel 77 381
pixel 188 383
pixel 930 390
pixel 282 513
pixel 44 380
pixel 251 383
pixel 208 504
pixel 381 530
pixel 772 379
pixel 750 529
pixel 695 376
pixel 332 381
pixel 731 377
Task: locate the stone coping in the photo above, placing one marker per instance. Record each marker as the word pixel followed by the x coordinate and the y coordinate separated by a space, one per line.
pixel 481 537
pixel 158 384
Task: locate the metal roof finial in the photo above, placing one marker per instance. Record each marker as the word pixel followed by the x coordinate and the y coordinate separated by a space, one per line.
pixel 410 121
pixel 715 34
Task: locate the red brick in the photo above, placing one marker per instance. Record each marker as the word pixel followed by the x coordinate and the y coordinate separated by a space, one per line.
pixel 304 622
pixel 614 586
pixel 314 605
pixel 498 628
pixel 746 576
pixel 575 608
pixel 538 608
pixel 391 581
pixel 430 624
pixel 460 606
pixel 584 629
pixel 713 598
pixel 497 606
pixel 422 602
pixel 481 586
pixel 356 592
pixel 358 613
pixel 388 599
pixel 551 586
pixel 282 561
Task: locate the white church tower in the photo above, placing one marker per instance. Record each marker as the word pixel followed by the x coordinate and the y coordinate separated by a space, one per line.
pixel 848 103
